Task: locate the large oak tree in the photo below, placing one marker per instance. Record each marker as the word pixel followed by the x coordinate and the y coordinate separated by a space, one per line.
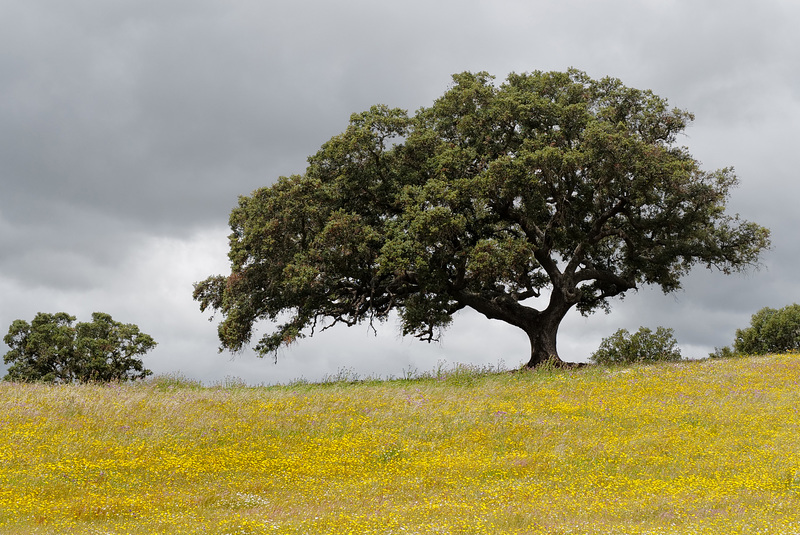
pixel 551 185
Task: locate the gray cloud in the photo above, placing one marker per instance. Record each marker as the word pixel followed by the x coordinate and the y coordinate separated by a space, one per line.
pixel 128 129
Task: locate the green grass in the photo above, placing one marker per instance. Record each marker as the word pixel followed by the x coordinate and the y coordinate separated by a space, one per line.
pixel 692 447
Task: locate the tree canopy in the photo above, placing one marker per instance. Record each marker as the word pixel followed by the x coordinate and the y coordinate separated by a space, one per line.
pixel 644 345
pixel 52 349
pixel 520 200
pixel 771 331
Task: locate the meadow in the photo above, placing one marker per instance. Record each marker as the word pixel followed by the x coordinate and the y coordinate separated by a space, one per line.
pixel 700 447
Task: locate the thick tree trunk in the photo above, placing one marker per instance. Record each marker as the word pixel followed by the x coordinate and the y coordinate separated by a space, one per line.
pixel 542 332
pixel 540 326
pixel 543 345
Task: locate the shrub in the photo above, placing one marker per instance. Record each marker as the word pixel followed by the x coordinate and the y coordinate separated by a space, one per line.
pixel 723 353
pixel 770 331
pixel 643 346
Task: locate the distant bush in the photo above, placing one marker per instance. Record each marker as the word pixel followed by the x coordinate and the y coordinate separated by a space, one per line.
pixel 723 353
pixel 770 331
pixel 644 345
pixel 51 349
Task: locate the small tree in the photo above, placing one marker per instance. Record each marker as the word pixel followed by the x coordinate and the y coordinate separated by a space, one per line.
pixel 642 346
pixel 51 349
pixel 522 201
pixel 770 331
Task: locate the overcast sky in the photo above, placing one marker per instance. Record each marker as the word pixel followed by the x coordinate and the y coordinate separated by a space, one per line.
pixel 128 129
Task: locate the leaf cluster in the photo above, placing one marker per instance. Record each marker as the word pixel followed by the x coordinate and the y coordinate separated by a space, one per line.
pixel 51 349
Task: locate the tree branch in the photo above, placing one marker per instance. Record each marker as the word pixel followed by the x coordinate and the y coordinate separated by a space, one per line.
pixel 595 235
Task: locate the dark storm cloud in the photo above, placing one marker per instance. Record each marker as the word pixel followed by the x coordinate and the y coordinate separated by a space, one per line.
pixel 64 248
pixel 158 115
pixel 129 128
pixel 164 112
pixel 138 114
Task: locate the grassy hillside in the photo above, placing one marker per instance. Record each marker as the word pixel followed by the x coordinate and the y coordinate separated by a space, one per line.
pixel 695 447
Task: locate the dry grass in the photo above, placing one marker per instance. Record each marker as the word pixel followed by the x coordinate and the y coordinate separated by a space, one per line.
pixel 696 447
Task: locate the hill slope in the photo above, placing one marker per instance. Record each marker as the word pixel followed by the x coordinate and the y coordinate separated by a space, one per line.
pixel 693 447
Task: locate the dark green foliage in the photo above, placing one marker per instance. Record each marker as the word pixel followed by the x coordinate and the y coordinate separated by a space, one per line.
pixel 52 350
pixel 43 350
pixel 770 331
pixel 723 353
pixel 644 345
pixel 549 181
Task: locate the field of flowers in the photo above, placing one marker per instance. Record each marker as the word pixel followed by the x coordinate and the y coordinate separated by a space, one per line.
pixel 693 447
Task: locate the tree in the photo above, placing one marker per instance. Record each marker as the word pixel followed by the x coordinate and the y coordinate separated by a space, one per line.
pixel 771 331
pixel 43 350
pixel 644 345
pixel 51 349
pixel 552 187
pixel 107 350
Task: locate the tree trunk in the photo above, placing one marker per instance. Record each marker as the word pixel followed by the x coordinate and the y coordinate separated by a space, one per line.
pixel 543 330
pixel 543 343
pixel 540 326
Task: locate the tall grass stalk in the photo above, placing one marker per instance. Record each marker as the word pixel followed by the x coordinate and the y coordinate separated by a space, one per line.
pixel 673 448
